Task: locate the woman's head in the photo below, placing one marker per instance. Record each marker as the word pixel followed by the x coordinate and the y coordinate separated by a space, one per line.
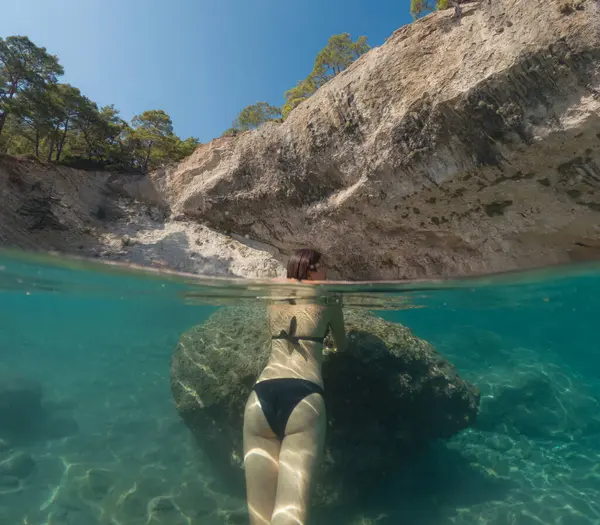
pixel 306 264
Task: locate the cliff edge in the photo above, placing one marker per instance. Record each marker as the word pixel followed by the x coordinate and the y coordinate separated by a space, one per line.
pixel 454 148
pixel 115 217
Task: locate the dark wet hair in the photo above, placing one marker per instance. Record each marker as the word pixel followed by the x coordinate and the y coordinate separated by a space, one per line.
pixel 303 261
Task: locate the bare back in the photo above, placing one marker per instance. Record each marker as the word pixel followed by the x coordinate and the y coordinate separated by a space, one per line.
pixel 280 469
pixel 301 358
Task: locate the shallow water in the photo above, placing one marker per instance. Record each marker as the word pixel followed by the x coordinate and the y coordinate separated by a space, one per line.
pixel 109 442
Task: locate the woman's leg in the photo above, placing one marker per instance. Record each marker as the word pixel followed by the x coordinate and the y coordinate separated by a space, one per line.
pixel 261 460
pixel 300 453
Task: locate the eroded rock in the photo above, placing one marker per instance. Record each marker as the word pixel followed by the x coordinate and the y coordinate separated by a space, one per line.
pixel 19 465
pixel 48 207
pixel 388 395
pixel 451 149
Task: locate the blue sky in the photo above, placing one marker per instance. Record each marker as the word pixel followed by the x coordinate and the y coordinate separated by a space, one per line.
pixel 200 61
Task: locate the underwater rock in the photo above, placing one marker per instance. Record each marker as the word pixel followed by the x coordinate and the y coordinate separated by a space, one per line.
pixel 388 395
pixel 99 482
pixel 194 499
pixel 58 426
pixel 25 416
pixel 9 482
pixel 20 406
pixel 144 496
pixel 537 400
pixel 57 405
pixel 19 465
pixel 161 504
pixel 132 505
pixel 235 517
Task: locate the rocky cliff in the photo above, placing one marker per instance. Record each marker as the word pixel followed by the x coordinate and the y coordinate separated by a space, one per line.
pixel 114 217
pixel 455 147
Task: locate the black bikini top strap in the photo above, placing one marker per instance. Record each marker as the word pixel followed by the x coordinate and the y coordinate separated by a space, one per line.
pixel 292 337
pixel 295 339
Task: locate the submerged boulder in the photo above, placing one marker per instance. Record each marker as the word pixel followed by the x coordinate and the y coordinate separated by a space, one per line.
pixel 25 416
pixel 20 406
pixel 388 395
pixel 534 398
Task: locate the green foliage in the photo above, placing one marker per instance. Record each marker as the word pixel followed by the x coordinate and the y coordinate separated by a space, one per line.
pixel 153 143
pixel 31 119
pixel 68 108
pixel 184 148
pixel 231 132
pixel 152 135
pixel 23 66
pixel 56 122
pixel 101 136
pixel 336 56
pixel 293 97
pixel 253 116
pixel 421 7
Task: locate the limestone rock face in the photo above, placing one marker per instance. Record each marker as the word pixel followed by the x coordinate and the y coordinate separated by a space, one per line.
pixel 451 149
pixel 46 207
pixel 116 217
pixel 388 395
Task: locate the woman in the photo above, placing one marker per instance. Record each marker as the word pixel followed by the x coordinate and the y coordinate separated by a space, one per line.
pixel 284 420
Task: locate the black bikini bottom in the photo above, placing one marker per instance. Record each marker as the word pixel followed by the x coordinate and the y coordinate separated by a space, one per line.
pixel 279 397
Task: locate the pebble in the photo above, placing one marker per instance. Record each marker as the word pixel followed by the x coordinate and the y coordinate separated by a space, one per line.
pixel 161 504
pixel 236 517
pixel 100 481
pixel 9 482
pixel 499 442
pixel 19 464
pixel 132 504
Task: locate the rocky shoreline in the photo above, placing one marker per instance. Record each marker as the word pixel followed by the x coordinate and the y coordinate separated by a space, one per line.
pixel 110 217
pixel 452 149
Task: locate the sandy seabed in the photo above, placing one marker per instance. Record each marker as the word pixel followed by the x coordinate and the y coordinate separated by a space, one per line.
pixel 534 457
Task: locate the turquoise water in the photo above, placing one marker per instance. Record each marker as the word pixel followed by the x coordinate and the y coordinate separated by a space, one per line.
pixel 106 445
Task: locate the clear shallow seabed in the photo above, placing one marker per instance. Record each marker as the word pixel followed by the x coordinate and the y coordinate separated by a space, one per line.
pixel 112 450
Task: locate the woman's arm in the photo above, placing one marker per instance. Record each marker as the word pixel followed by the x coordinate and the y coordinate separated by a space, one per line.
pixel 338 330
